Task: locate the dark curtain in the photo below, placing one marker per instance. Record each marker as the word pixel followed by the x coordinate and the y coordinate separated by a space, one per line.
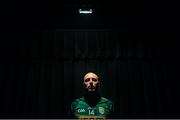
pixel 41 73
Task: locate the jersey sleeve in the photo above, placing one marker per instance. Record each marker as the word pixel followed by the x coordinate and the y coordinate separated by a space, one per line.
pixel 111 109
pixel 72 108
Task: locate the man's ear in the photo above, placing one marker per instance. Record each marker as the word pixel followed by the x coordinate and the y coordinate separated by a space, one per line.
pixel 84 85
pixel 99 83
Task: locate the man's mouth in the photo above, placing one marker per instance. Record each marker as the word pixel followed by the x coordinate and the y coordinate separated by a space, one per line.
pixel 91 87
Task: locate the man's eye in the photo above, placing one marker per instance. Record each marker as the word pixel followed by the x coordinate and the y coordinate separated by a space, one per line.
pixel 94 79
pixel 86 80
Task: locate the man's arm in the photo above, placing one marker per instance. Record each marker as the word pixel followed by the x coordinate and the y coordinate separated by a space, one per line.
pixel 113 112
pixel 69 111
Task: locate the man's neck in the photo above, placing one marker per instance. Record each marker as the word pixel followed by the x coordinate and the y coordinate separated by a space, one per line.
pixel 92 98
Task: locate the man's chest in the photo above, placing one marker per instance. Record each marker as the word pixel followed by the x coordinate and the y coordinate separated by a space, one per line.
pixel 83 109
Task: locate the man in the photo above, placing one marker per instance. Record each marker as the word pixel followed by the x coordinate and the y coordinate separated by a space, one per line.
pixel 91 105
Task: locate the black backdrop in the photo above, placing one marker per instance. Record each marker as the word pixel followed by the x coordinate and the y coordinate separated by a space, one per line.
pixel 41 73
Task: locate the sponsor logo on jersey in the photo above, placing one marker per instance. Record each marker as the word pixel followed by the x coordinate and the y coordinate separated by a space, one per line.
pixel 81 110
pixel 101 110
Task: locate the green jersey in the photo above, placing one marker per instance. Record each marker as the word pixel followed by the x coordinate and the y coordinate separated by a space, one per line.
pixel 82 110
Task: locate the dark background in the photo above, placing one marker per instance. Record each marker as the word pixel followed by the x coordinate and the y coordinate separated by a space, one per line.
pixel 47 47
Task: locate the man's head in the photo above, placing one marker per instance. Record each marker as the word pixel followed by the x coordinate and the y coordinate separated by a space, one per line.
pixel 91 81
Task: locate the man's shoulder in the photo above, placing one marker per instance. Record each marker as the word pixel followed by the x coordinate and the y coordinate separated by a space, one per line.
pixel 108 103
pixel 105 100
pixel 82 100
pixel 77 100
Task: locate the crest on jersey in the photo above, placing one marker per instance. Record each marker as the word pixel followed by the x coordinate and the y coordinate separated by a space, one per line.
pixel 101 110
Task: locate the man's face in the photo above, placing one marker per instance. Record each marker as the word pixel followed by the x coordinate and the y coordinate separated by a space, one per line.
pixel 91 81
